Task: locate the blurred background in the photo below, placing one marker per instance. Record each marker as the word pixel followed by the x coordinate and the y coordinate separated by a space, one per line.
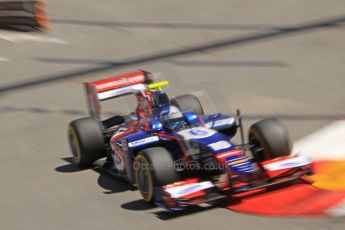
pixel 265 57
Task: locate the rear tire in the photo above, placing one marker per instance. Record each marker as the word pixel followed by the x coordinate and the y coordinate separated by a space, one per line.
pixel 270 139
pixel 154 167
pixel 188 103
pixel 86 141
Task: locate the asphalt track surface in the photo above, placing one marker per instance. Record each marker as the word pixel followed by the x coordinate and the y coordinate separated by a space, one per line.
pixel 282 58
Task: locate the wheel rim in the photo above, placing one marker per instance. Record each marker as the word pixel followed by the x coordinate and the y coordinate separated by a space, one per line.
pixel 144 179
pixel 74 145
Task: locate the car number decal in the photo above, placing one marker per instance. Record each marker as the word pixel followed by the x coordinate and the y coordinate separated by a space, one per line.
pixel 196 133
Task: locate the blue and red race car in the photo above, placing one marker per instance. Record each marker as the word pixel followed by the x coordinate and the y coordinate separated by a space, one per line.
pixel 175 154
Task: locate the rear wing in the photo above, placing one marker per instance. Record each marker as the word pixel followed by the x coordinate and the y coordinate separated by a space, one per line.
pixel 114 87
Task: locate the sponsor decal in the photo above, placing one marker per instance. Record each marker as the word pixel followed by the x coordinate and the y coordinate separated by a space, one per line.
pixel 143 141
pixel 219 145
pixel 121 82
pixel 180 191
pixel 288 163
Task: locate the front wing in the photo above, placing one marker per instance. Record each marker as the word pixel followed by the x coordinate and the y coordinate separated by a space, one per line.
pixel 180 195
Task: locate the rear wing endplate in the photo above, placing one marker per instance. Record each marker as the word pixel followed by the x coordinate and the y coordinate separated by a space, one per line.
pixel 114 87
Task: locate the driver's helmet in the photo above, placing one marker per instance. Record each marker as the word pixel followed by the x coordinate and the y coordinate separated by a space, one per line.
pixel 172 118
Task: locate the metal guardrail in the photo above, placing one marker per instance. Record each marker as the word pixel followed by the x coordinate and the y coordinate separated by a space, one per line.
pixel 32 13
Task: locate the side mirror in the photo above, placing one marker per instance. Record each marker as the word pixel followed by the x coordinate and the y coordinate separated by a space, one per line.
pixel 156 125
pixel 192 119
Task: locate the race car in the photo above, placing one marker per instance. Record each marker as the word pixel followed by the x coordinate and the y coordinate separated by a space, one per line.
pixel 175 154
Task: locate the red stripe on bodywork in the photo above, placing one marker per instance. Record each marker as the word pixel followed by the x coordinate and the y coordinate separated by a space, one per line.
pixel 167 136
pixel 221 157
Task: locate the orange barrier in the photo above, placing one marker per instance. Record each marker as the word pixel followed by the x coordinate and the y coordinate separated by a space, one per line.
pixel 331 176
pixel 41 14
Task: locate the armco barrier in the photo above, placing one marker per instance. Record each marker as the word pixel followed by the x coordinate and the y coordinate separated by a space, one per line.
pixel 25 13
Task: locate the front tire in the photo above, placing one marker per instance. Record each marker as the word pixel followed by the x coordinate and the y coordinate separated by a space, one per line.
pixel 86 141
pixel 154 167
pixel 269 139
